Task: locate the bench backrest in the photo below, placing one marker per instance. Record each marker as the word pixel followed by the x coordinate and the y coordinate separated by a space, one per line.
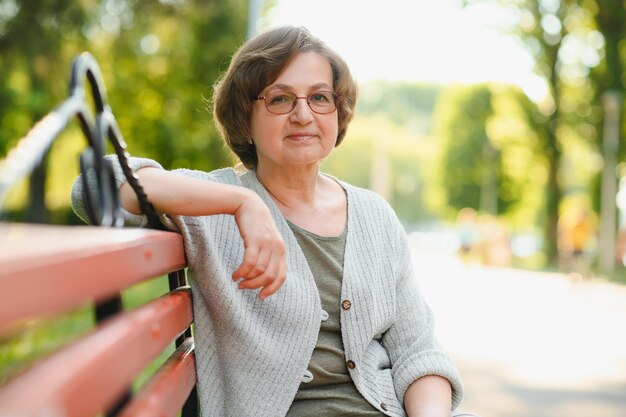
pixel 52 269
pixel 48 270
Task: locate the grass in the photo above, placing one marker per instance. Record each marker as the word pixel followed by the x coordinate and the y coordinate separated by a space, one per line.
pixel 37 339
pixel 40 338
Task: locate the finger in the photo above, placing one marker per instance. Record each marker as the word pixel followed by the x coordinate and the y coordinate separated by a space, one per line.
pixel 272 269
pixel 253 283
pixel 277 283
pixel 262 263
pixel 266 278
pixel 248 264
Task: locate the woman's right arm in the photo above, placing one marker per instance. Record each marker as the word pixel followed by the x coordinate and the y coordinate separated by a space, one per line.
pixel 264 263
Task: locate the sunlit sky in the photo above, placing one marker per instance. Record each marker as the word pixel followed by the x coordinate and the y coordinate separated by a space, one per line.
pixel 417 40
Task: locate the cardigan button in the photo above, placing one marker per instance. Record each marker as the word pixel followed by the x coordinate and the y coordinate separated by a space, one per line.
pixel 307 377
pixel 351 364
pixel 324 315
pixel 346 304
pixel 384 406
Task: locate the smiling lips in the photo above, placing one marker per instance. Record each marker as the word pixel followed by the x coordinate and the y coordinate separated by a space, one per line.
pixel 301 136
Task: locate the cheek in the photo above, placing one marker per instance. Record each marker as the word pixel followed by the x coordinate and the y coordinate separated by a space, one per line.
pixel 332 127
pixel 254 129
pixel 257 126
pixel 265 131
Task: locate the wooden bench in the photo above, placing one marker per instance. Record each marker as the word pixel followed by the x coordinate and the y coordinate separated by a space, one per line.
pixel 47 270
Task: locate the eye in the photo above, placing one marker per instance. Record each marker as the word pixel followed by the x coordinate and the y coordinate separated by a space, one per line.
pixel 321 97
pixel 280 98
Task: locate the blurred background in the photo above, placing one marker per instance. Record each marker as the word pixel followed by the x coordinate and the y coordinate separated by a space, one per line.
pixel 495 128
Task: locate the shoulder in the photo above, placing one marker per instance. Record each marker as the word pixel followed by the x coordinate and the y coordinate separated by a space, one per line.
pixel 369 212
pixel 363 194
pixel 358 192
pixel 366 201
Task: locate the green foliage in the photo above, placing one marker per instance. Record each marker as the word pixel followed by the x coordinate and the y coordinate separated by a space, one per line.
pixel 523 166
pixel 34 38
pixel 389 147
pixel 162 110
pixel 159 62
pixel 577 47
pixel 491 157
pixel 485 152
pixel 468 157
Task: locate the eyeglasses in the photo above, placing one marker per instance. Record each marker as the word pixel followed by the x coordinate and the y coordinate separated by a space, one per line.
pixel 281 102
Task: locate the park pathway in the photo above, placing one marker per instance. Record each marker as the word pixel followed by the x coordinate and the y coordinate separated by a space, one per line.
pixel 529 344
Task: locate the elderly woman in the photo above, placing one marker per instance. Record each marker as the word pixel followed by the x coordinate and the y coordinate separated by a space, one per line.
pixel 305 299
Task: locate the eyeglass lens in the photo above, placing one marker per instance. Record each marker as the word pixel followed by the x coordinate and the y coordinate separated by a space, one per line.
pixel 281 102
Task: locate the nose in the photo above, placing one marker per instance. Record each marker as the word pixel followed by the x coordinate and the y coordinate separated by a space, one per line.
pixel 301 113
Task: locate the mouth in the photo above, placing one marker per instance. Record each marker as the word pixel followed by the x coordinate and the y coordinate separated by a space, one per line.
pixel 301 136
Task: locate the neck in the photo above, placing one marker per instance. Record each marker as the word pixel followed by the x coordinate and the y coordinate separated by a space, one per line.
pixel 289 188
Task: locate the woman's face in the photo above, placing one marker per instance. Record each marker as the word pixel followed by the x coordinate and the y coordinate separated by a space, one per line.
pixel 300 137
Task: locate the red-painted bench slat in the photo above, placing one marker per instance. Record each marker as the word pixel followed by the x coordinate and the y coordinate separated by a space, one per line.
pixel 165 394
pixel 88 376
pixel 51 269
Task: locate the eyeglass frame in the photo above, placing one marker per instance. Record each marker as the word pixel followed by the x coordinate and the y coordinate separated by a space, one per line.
pixel 337 99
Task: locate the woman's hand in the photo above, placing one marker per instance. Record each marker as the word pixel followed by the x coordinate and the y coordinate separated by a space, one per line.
pixel 264 263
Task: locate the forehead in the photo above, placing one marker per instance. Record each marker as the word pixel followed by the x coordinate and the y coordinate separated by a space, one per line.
pixel 306 70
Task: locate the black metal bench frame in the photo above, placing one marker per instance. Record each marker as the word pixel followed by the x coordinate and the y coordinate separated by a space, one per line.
pixel 103 206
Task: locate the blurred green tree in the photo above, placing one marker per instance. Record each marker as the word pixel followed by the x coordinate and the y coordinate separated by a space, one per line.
pixel 470 164
pixel 490 156
pixel 159 61
pixel 523 166
pixel 33 39
pixel 542 28
pixel 610 18
pixel 161 68
pixel 571 40
pixel 485 135
pixel 389 158
pixel 610 80
pixel 390 147
pixel 553 31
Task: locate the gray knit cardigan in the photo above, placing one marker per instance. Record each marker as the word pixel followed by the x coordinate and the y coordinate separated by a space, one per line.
pixel 251 355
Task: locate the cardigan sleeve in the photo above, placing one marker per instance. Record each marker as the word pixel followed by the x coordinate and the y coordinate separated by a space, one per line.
pixel 77 196
pixel 410 341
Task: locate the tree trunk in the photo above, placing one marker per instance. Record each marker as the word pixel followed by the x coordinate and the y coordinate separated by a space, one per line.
pixel 554 163
pixel 611 22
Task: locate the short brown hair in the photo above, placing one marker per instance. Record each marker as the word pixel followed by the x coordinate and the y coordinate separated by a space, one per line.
pixel 257 64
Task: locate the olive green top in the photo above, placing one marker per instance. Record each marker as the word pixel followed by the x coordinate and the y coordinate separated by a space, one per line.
pixel 331 392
